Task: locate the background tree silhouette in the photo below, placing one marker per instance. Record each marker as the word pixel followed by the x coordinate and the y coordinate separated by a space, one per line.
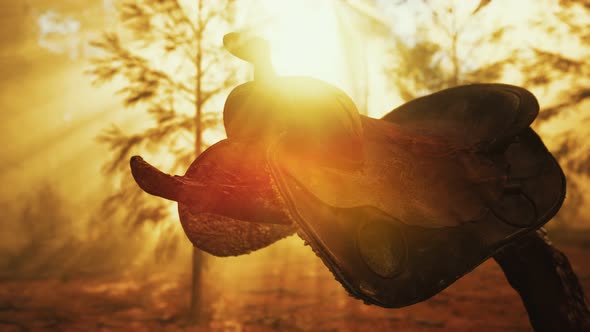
pixel 169 57
pixel 444 54
pixel 564 74
pixel 54 243
pixel 442 57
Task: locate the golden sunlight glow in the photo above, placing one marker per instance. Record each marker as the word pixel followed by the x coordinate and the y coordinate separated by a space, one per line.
pixel 305 39
pixel 52 115
pixel 52 126
pixel 339 42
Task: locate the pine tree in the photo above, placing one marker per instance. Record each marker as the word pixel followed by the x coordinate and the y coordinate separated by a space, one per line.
pixel 169 57
pixel 441 55
pixel 440 58
pixel 564 73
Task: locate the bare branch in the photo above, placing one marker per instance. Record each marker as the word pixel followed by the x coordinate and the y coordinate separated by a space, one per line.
pixel 228 82
pixel 482 5
pixel 571 101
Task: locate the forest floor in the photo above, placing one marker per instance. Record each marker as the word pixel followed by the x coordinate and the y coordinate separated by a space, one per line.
pixel 283 289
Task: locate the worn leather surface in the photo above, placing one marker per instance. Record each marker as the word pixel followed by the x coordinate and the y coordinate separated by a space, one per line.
pixel 234 210
pixel 434 189
pixel 444 185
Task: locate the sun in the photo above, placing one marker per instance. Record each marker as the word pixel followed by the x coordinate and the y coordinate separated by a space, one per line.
pixel 305 39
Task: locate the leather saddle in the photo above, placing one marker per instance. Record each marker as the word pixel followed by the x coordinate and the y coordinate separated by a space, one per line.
pixel 397 208
pixel 445 182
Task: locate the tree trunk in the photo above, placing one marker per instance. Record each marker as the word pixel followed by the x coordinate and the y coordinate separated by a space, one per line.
pixel 196 296
pixel 544 279
pixel 198 256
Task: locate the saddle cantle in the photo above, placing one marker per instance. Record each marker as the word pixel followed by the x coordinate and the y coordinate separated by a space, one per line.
pixel 446 181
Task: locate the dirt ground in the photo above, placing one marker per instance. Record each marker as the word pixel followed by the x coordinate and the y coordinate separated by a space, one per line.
pixel 284 288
